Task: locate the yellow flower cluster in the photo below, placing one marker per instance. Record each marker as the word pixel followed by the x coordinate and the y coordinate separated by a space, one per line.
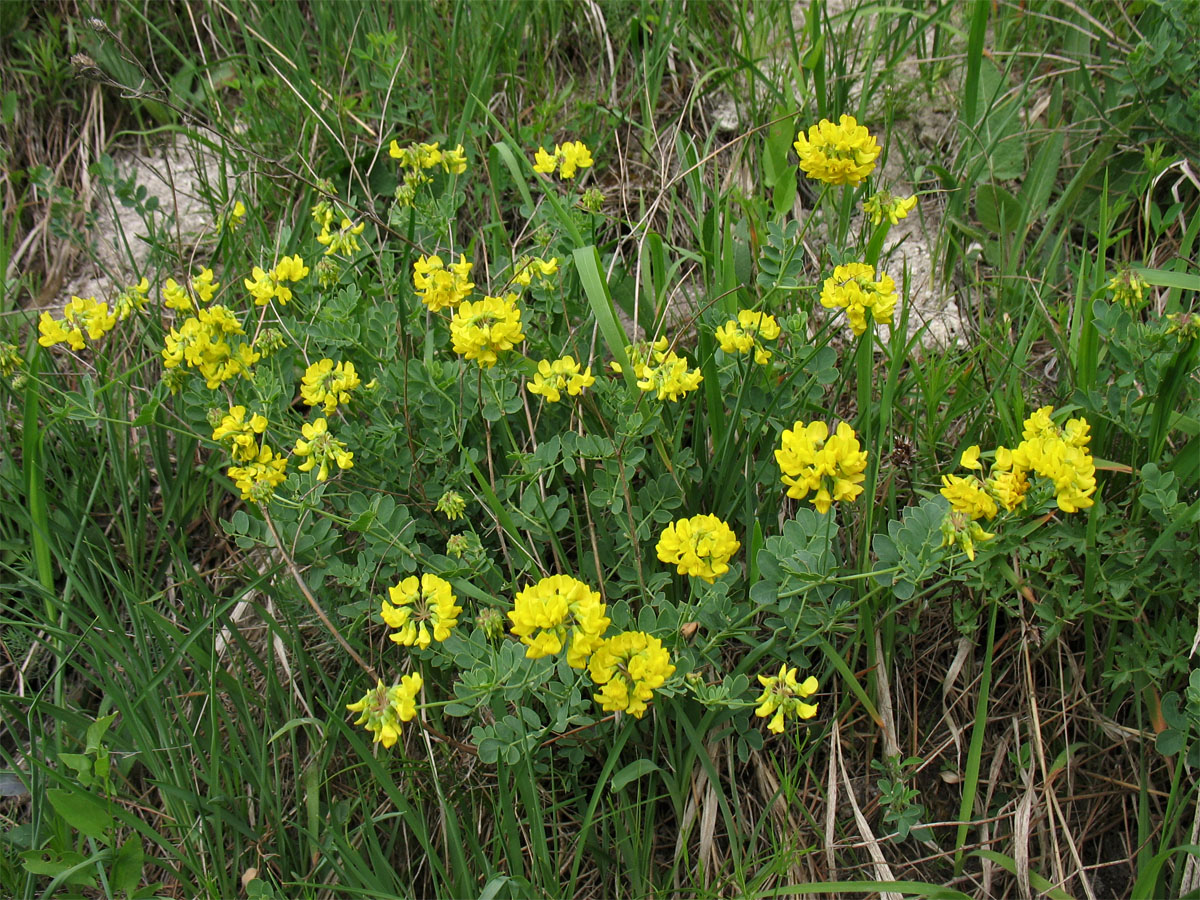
pixel 841 154
pixel 853 287
pixel 1128 287
pixel 700 546
pixel 568 157
pixel 321 448
pixel 783 696
pixel 810 459
pixel 886 206
pixel 268 285
pixel 482 329
pixel 10 358
pixel 328 383
pixel 562 374
pixel 452 505
pixel 559 611
pixel 440 286
pixel 420 611
pixel 746 333
pixel 201 343
pixel 232 220
pixel 242 435
pixel 417 159
pixel 1058 454
pixel 131 299
pixel 527 267
pixel 203 286
pixel 384 708
pixel 82 314
pixel 260 476
pixel 959 530
pixel 344 241
pixel 629 667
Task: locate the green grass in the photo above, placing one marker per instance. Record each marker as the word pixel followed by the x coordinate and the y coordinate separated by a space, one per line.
pixel 1031 711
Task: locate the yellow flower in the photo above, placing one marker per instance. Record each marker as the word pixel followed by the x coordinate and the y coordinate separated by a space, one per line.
pixel 480 330
pixel 573 155
pixel 853 287
pixel 1060 455
pixel 700 546
pixel 440 287
pixel 743 334
pixel 175 297
pixel 384 708
pixel 629 667
pixel 328 383
pixel 232 220
pixel 563 374
pixel 10 358
pixel 526 268
pixel 883 204
pixel 784 696
pixel 344 241
pixel 968 496
pixel 132 299
pixel 959 530
pixel 268 285
pixel 559 611
pixel 204 286
pixel 1128 287
pixel 321 449
pixel 668 376
pixel 834 467
pixel 240 433
pixel 837 154
pixel 420 612
pixel 260 476
pixel 80 315
pixel 970 458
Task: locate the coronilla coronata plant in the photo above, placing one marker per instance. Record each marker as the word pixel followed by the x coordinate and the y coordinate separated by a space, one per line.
pixel 559 611
pixel 420 611
pixel 746 333
pixel 485 328
pixel 568 158
pixel 841 154
pixel 700 546
pixel 383 708
pixel 853 288
pixel 562 374
pixel 327 384
pixel 783 697
pixel 321 449
pixel 831 467
pixel 629 667
pixel 439 286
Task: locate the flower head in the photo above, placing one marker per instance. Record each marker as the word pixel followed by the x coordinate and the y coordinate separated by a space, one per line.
pixel 321 449
pixel 629 667
pixel 344 241
pixel 1128 287
pixel 832 466
pixel 420 611
pixel 82 314
pixel 451 505
pixel 439 286
pixel 746 333
pixel 844 153
pixel 960 530
pixel 482 329
pixel 572 155
pixel 259 477
pixel 241 434
pixel 132 299
pixel 784 696
pixel 853 288
pixel 886 206
pixel 559 611
pixel 700 546
pixel 271 284
pixel 384 708
pixel 668 376
pixel 562 374
pixel 328 383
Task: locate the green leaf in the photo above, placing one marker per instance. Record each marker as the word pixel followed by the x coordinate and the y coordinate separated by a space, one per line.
pixel 127 867
pixel 53 864
pixel 632 772
pixel 95 732
pixel 82 811
pixel 997 209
